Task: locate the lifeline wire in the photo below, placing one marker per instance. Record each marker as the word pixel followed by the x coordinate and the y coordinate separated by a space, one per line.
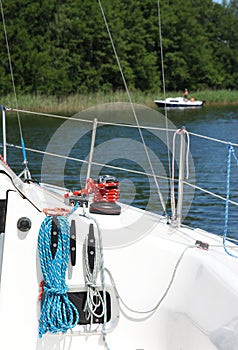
pixel 230 153
pixel 133 109
pixel 15 95
pixel 122 169
pixel 123 125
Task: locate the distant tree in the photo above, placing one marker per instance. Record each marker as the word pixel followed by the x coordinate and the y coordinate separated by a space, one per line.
pixel 233 7
pixel 62 47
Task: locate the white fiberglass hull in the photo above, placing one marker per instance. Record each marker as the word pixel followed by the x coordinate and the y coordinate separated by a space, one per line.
pixel 195 290
pixel 178 102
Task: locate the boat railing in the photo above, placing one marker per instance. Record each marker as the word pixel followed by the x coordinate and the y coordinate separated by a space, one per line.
pixel 149 127
pixel 180 181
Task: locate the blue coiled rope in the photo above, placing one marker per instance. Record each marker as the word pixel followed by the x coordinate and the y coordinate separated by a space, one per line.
pixel 58 313
pixel 231 152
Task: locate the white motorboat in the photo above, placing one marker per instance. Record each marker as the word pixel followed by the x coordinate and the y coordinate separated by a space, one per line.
pixel 179 102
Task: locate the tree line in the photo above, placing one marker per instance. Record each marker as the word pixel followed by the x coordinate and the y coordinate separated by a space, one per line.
pixel 62 47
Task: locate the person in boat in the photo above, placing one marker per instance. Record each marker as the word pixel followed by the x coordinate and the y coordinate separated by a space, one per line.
pixel 185 94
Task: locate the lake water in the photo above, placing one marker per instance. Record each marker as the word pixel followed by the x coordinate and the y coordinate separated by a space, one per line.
pixel 122 147
pixel 210 160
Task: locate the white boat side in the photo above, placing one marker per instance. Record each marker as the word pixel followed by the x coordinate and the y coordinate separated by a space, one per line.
pixel 193 291
pixel 179 102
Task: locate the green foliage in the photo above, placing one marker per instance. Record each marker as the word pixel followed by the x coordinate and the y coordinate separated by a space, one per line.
pixel 62 47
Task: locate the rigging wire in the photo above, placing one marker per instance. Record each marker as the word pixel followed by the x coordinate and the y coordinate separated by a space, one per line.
pixel 26 172
pixel 120 124
pixel 212 139
pixel 86 162
pixel 164 89
pixel 208 192
pixel 133 109
pixel 122 169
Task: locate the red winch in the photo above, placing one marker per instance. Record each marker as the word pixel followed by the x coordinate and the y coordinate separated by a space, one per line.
pixel 105 195
pixel 107 189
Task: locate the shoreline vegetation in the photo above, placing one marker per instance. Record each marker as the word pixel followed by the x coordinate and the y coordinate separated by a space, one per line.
pixel 75 103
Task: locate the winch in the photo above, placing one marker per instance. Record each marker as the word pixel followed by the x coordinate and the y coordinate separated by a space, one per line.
pixel 105 192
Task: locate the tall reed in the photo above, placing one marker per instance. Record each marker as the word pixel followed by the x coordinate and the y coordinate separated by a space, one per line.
pixel 78 102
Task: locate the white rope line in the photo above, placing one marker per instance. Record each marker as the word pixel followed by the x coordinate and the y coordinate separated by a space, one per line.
pixel 133 109
pixel 119 124
pixel 91 121
pixel 172 194
pixel 51 115
pixel 209 192
pixel 212 139
pixel 135 126
pixel 86 162
pixel 12 75
pixel 94 298
pixel 179 131
pixel 102 274
pixel 122 169
pixel 153 309
pixel 10 61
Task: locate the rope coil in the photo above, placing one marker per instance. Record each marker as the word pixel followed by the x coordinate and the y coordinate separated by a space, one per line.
pixel 178 132
pixel 94 299
pixel 99 245
pixel 58 313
